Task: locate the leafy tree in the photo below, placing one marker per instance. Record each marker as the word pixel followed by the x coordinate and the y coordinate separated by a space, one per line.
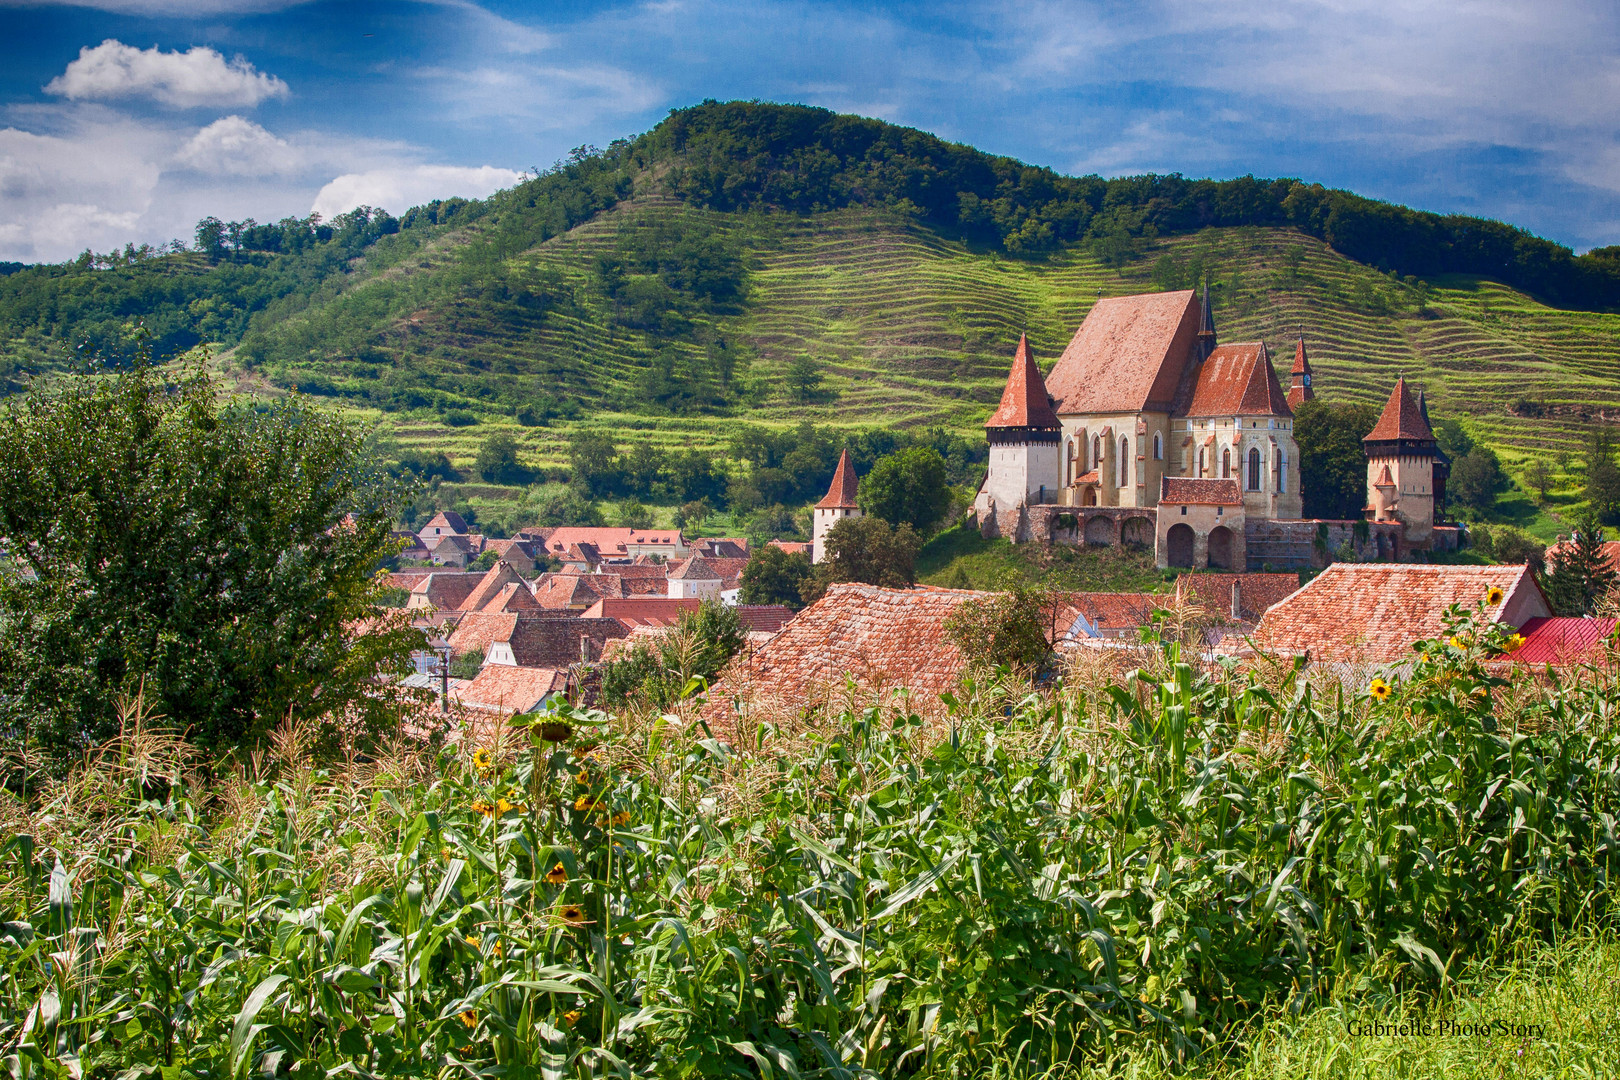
pixel 1539 476
pixel 864 549
pixel 635 515
pixel 567 507
pixel 1476 480
pixel 1011 628
pixel 692 515
pixel 695 475
pixel 1602 476
pixel 804 379
pixel 1508 545
pixel 1332 459
pixel 1453 438
pixel 485 561
pixel 212 555
pixel 497 460
pixel 775 576
pixel 1580 575
pixel 467 665
pixel 658 674
pixel 907 488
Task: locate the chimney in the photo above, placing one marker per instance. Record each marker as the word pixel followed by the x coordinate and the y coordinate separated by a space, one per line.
pixel 1237 602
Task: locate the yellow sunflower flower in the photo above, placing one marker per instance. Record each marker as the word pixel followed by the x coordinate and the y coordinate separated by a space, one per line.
pixel 555 731
pixel 1380 689
pixel 1456 642
pixel 469 939
pixel 468 1017
pixel 482 759
pixel 572 1017
pixel 485 808
pixel 557 875
pixel 585 804
pixel 503 806
pixel 572 915
pixel 1493 595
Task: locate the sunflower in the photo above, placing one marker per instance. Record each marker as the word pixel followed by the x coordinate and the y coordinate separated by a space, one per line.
pixel 468 1017
pixel 502 806
pixel 572 915
pixel 555 731
pixel 1456 642
pixel 572 1017
pixel 1493 595
pixel 485 808
pixel 1379 689
pixel 585 804
pixel 1514 642
pixel 482 759
pixel 498 950
pixel 469 939
pixel 557 875
pixel 621 818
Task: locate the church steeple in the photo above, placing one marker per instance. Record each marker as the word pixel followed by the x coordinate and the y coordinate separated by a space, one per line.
pixel 1299 387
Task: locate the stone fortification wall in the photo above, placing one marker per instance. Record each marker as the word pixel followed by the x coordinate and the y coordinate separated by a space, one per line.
pixel 1294 545
pixel 1047 523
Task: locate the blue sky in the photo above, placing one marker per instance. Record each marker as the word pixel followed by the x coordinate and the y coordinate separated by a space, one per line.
pixel 126 120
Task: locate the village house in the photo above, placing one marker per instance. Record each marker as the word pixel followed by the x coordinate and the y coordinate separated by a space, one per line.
pixel 694 579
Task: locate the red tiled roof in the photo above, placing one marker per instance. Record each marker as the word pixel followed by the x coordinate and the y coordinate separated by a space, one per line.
pixel 447 591
pixel 556 642
pixel 1108 613
pixel 1402 418
pixel 642 610
pixel 609 541
pixel 767 617
pixel 792 547
pixel 1611 552
pixel 1088 478
pixel 1237 380
pixel 885 639
pixel 1299 391
pixel 1302 366
pixel 1560 641
pixel 447 519
pixel 1198 491
pixel 730 570
pixel 696 568
pixel 558 591
pixel 477 630
pixel 508 689
pixel 1256 592
pixel 1129 352
pixel 670 537
pixel 1373 612
pixel 494 580
pixel 841 495
pixel 1024 403
pixel 619 648
pixel 514 596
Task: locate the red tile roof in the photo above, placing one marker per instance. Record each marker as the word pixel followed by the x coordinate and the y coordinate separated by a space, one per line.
pixel 1237 380
pixel 1024 403
pixel 556 642
pixel 696 568
pixel 841 495
pixel 1256 592
pixel 885 639
pixel 1372 612
pixel 447 519
pixel 792 547
pixel 1108 614
pixel 494 580
pixel 1402 418
pixel 514 596
pixel 1611 552
pixel 1198 491
pixel 609 541
pixel 1561 641
pixel 767 617
pixel 508 689
pixel 558 591
pixel 1129 353
pixel 447 591
pixel 668 537
pixel 642 610
pixel 476 631
pixel 730 571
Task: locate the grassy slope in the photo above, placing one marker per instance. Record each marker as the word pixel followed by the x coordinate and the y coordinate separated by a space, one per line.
pixel 915 329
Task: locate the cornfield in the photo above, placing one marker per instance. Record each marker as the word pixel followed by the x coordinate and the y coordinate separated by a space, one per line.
pixel 1075 874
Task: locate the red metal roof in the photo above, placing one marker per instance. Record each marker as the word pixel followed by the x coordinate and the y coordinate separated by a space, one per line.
pixel 1402 418
pixel 1560 641
pixel 841 495
pixel 1024 403
pixel 1199 491
pixel 1238 380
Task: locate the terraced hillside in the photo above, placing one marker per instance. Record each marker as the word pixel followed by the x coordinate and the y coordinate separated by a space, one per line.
pixel 914 329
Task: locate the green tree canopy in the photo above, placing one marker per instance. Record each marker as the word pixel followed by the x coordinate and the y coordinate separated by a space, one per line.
pixel 1580 574
pixel 775 576
pixel 657 674
pixel 634 514
pixel 907 487
pixel 1332 460
pixel 865 549
pixel 567 507
pixel 1476 480
pixel 1013 628
pixel 212 555
pixel 497 460
pixel 1602 476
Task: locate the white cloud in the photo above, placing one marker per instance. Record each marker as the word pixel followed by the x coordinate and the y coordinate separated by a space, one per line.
pixel 233 146
pixel 402 187
pixel 198 76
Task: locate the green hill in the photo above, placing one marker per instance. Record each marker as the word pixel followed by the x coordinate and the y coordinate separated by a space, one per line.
pixel 664 289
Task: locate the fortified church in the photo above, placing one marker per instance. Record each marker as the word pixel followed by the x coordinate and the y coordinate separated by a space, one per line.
pixel 1149 431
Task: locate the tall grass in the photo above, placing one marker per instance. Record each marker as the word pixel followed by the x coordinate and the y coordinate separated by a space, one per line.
pixel 1142 869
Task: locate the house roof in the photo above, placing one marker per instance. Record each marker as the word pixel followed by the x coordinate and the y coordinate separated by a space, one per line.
pixel 642 610
pixel 448 542
pixel 494 580
pixel 557 591
pixel 1402 418
pixel 556 642
pixel 721 547
pixel 513 596
pixel 1237 380
pixel 841 495
pixel 1106 611
pixel 1560 641
pixel 447 591
pixel 1198 491
pixel 619 648
pixel 609 541
pixel 1128 355
pixel 883 638
pixel 792 547
pixel 669 537
pixel 730 571
pixel 504 688
pixel 1373 612
pixel 1256 592
pixel 1024 403
pixel 696 568
pixel 476 631
pixel 446 519
pixel 766 617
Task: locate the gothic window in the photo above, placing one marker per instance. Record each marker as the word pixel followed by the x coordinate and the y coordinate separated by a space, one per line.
pixel 1124 467
pixel 1282 472
pixel 1200 461
pixel 1254 468
pixel 1096 451
pixel 1068 467
pixel 1226 464
pixel 1158 447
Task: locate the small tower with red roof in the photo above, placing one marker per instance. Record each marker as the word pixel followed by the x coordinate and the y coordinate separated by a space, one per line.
pixel 1402 460
pixel 1026 465
pixel 1299 386
pixel 839 503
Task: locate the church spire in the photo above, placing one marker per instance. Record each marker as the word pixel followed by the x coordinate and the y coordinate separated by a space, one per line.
pixel 1024 401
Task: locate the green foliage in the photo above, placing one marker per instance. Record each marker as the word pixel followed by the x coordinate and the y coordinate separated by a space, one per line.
pixel 635 515
pixel 566 507
pixel 907 487
pixel 1506 544
pixel 1010 628
pixel 1580 575
pixel 195 549
pixel 864 549
pixel 467 665
pixel 497 460
pixel 1602 476
pixel 692 515
pixel 656 675
pixel 774 576
pixel 1476 480
pixel 1046 881
pixel 1332 459
pixel 485 561
pixel 804 379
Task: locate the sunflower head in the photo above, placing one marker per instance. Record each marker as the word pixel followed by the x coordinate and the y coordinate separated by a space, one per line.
pixel 585 804
pixel 468 1017
pixel 572 915
pixel 482 759
pixel 1514 642
pixel 483 807
pixel 557 875
pixel 555 731
pixel 1456 642
pixel 1493 595
pixel 572 1017
pixel 469 939
pixel 504 806
pixel 1379 689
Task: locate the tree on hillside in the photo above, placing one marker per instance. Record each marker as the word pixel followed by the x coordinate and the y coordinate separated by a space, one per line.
pixel 691 515
pixel 804 380
pixel 497 460
pixel 633 514
pixel 1476 480
pixel 1580 573
pixel 1602 476
pixel 907 488
pixel 594 463
pixel 212 555
pixel 567 507
pixel 775 576
pixel 865 549
pixel 1332 460
pixel 1539 476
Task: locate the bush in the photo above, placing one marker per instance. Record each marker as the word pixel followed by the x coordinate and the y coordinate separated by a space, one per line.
pixel 460 418
pixel 659 674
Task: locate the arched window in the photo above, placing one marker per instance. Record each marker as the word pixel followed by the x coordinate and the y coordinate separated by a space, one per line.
pixel 1124 457
pixel 1282 472
pixel 1158 447
pixel 1096 451
pixel 1068 464
pixel 1254 468
pixel 1226 463
pixel 1200 461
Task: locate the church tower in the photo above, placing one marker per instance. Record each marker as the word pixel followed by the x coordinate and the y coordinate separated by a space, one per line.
pixel 1299 386
pixel 1206 328
pixel 1024 434
pixel 1402 460
pixel 839 503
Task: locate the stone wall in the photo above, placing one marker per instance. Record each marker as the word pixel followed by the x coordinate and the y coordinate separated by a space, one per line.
pixel 1294 545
